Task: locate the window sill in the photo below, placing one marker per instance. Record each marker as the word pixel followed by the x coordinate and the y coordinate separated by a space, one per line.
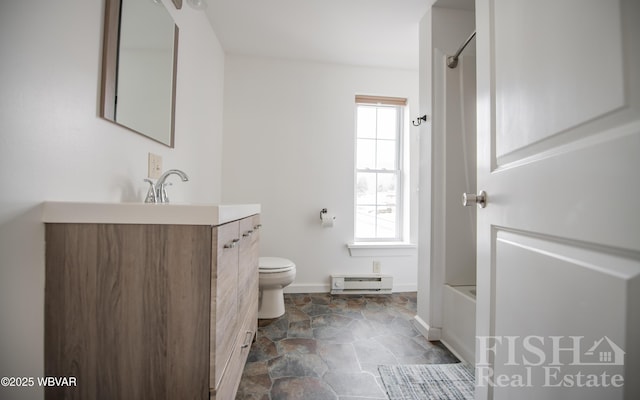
pixel 381 249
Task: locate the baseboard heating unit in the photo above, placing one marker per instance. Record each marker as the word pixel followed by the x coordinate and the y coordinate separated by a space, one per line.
pixel 361 284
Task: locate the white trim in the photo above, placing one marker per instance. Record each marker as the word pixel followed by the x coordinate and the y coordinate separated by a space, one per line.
pixel 426 331
pixel 405 287
pixel 308 288
pixel 399 170
pixel 453 350
pixel 381 249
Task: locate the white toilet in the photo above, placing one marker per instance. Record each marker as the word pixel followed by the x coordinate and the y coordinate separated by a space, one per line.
pixel 275 274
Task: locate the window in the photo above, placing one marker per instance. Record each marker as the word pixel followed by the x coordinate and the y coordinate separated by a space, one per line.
pixel 378 181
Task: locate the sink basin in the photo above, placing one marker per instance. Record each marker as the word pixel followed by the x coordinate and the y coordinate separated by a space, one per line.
pixel 141 213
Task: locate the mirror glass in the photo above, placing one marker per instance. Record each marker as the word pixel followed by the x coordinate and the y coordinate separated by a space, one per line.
pixel 139 66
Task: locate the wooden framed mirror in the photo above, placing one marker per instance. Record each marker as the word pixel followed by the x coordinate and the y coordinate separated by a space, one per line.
pixel 139 61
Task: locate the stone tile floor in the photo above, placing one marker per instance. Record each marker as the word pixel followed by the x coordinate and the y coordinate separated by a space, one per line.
pixel 329 347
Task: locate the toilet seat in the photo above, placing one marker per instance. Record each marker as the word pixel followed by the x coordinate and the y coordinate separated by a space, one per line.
pixel 272 265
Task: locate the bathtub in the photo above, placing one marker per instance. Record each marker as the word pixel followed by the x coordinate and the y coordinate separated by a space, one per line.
pixel 459 321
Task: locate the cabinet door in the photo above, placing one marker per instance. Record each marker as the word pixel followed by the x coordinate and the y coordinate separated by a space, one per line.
pixel 224 274
pixel 248 266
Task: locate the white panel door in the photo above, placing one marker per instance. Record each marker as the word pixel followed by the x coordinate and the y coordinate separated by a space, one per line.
pixel 558 306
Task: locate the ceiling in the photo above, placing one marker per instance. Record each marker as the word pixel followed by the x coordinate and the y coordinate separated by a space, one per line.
pixel 381 33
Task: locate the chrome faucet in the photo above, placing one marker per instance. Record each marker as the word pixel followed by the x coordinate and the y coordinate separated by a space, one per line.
pixel 158 191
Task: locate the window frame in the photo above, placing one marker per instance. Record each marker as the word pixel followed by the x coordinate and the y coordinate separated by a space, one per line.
pixel 399 105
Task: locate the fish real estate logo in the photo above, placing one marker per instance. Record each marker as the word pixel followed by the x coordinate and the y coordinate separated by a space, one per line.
pixel 549 361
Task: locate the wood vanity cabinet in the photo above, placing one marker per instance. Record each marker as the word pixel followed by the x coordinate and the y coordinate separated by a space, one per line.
pixel 150 311
pixel 235 304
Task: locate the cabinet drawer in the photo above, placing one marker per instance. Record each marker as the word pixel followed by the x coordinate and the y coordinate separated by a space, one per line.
pixel 233 372
pixel 127 310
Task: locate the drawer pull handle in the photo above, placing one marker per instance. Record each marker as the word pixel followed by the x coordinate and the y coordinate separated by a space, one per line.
pixel 247 233
pixel 231 245
pixel 246 344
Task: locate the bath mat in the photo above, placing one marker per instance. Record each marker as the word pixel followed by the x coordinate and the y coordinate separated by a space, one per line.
pixel 428 381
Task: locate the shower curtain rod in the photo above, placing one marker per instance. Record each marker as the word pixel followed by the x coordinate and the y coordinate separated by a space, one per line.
pixel 452 61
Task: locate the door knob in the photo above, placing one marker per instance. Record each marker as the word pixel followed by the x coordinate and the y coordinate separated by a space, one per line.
pixel 469 199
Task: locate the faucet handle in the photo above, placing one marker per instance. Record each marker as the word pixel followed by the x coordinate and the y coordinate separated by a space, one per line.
pixel 162 192
pixel 151 193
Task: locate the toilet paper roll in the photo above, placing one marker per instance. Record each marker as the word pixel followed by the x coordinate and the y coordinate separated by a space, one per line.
pixel 327 220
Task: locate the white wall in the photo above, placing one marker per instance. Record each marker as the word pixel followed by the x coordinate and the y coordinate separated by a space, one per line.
pixel 53 146
pixel 459 170
pixel 425 217
pixel 289 145
pixel 443 220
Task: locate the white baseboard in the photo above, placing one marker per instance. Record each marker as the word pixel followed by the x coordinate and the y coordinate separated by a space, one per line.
pixel 453 350
pixel 308 288
pixel 426 331
pixel 406 287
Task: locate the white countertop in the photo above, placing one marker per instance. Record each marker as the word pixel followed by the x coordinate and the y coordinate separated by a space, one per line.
pixel 141 213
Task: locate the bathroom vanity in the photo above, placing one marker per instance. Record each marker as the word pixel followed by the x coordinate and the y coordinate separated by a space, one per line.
pixel 149 301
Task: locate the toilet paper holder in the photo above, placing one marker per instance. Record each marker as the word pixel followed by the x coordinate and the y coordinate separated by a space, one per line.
pixel 324 212
pixel 326 218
